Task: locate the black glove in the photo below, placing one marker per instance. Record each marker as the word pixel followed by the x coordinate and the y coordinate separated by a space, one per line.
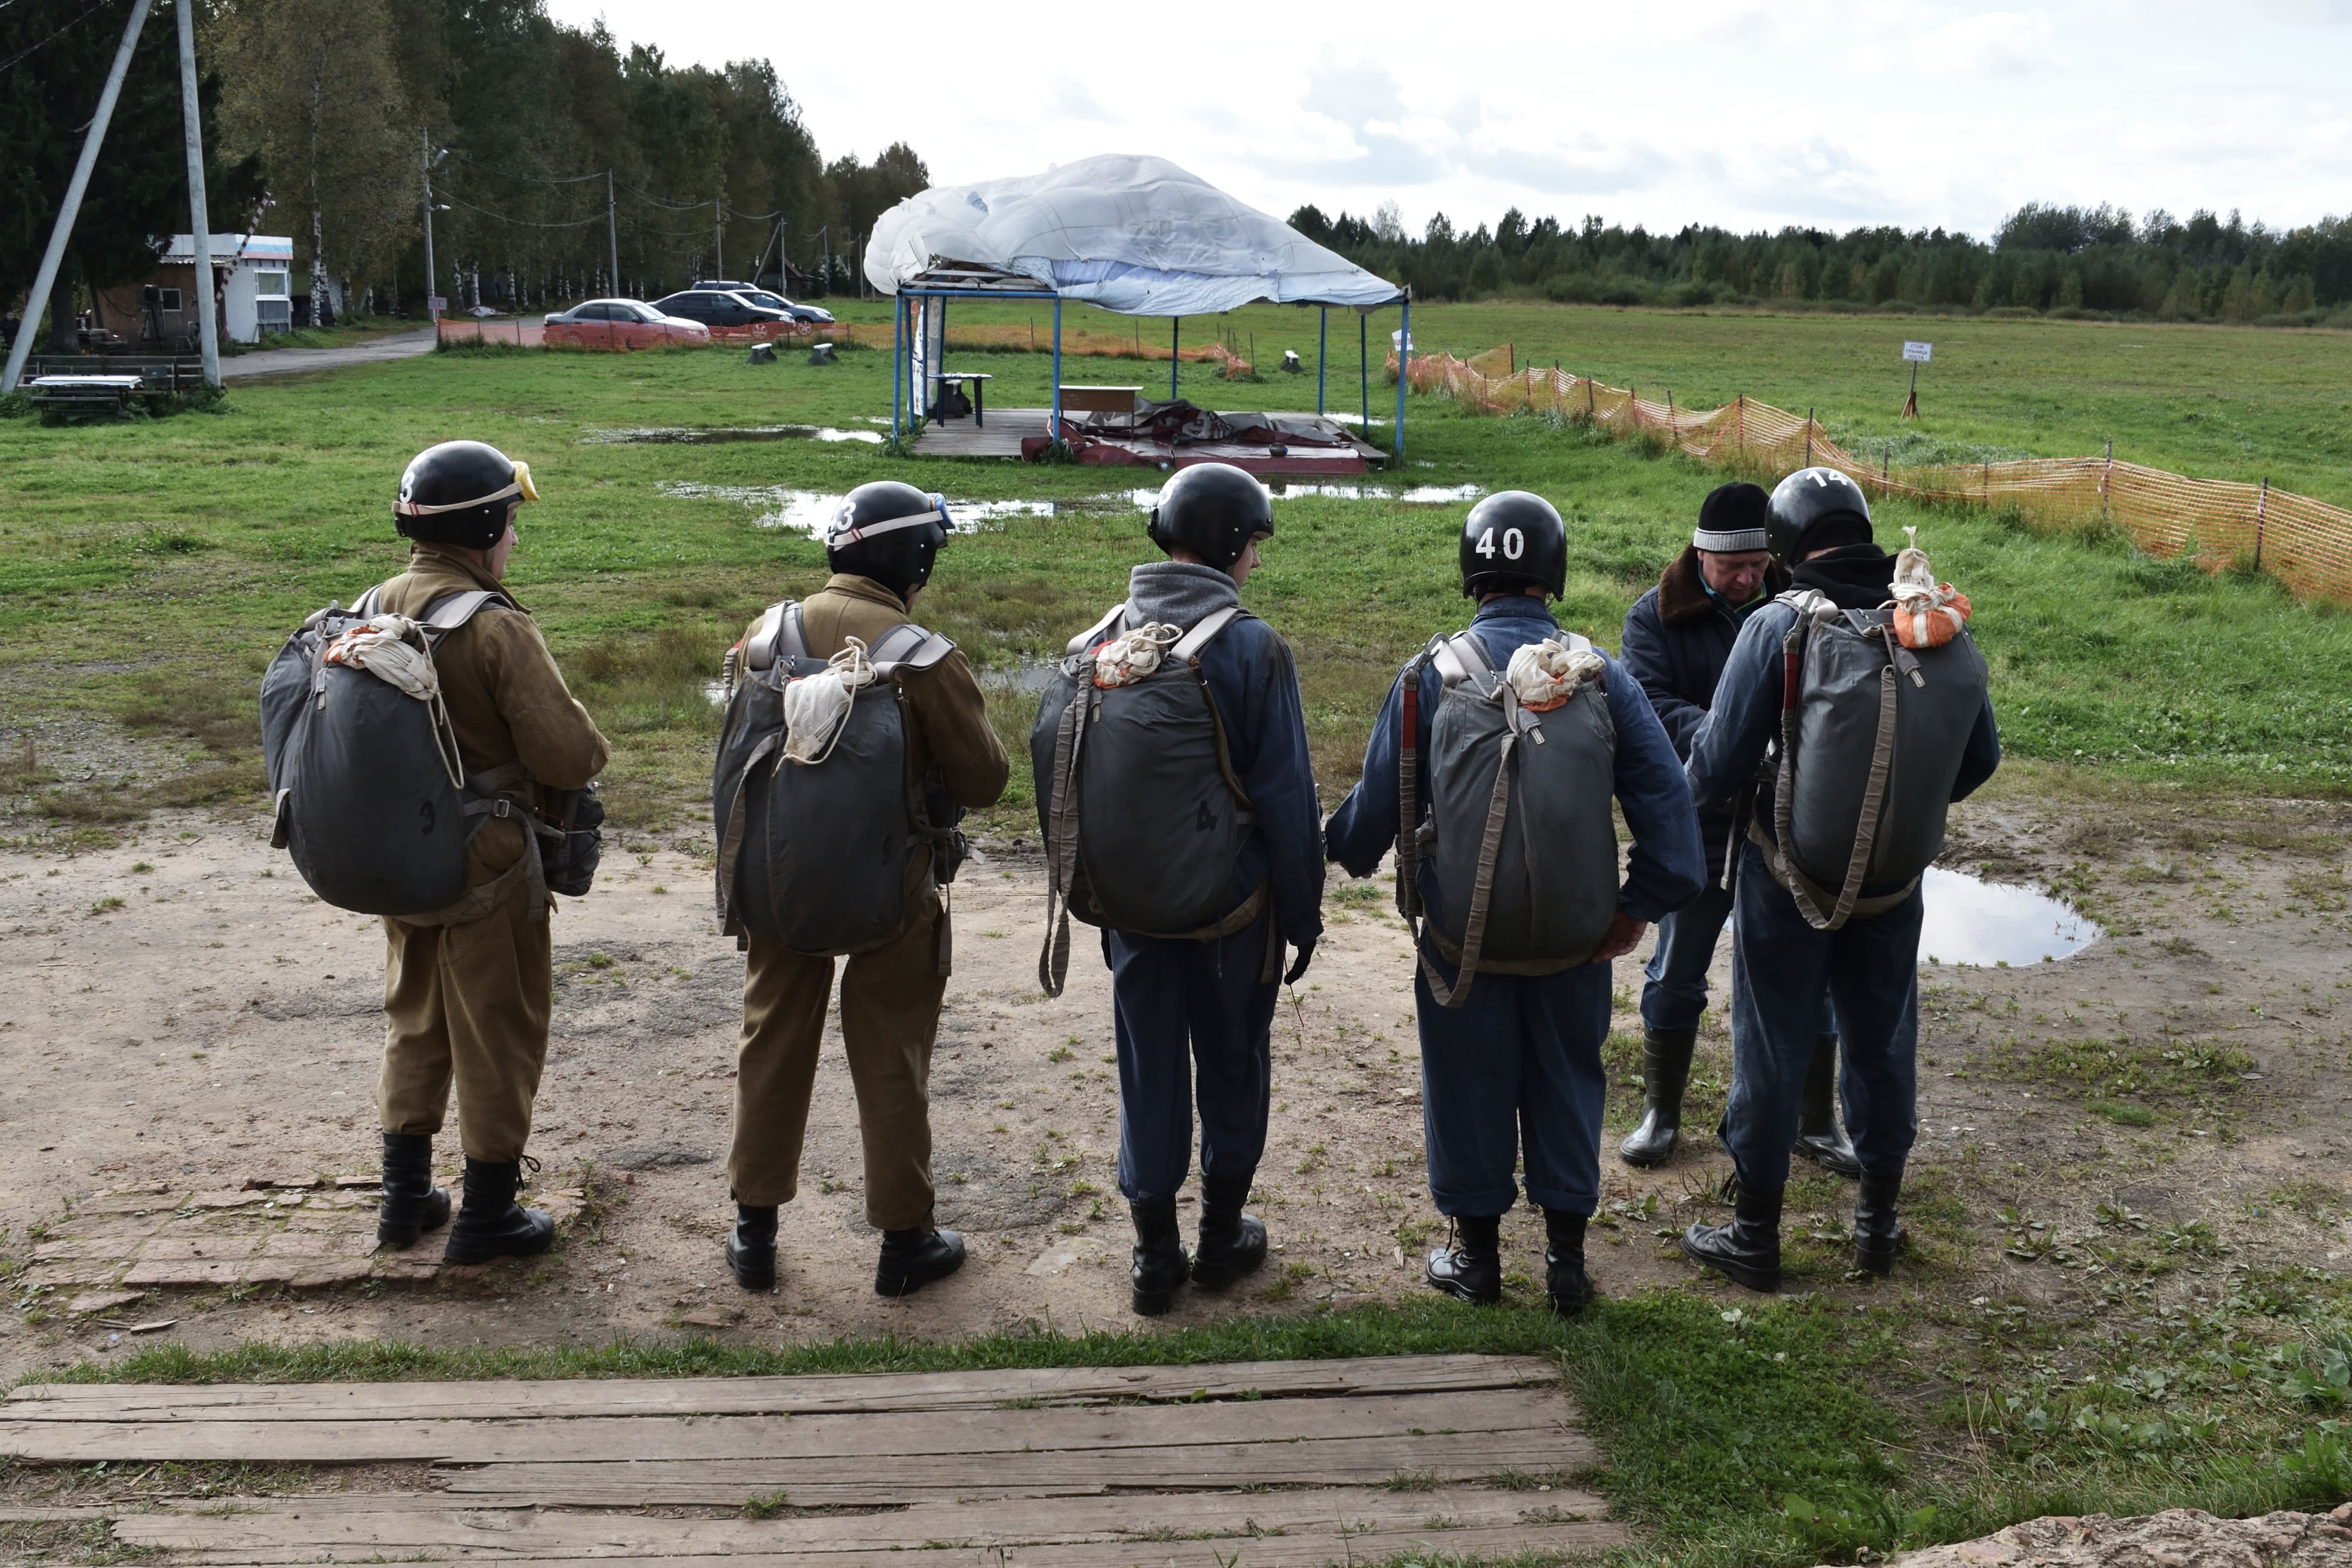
pixel 1298 964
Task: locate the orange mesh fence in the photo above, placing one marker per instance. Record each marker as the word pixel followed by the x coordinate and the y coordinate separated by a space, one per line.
pixel 2305 543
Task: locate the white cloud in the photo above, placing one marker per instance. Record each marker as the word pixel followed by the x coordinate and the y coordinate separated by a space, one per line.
pixel 1828 112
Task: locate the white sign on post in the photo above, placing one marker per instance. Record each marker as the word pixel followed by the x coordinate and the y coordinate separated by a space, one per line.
pixel 1918 354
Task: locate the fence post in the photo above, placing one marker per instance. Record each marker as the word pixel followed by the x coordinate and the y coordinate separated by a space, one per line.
pixel 1739 406
pixel 1591 414
pixel 1808 438
pixel 2106 477
pixel 1674 431
pixel 2262 505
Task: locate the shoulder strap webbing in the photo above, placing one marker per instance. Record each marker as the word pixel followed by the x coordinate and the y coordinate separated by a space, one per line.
pixel 1188 647
pixel 1086 639
pixel 1462 657
pixel 1408 842
pixel 370 603
pixel 451 611
pixel 778 635
pixel 908 647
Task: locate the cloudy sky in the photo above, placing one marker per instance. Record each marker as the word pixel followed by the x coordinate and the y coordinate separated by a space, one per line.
pixel 1810 111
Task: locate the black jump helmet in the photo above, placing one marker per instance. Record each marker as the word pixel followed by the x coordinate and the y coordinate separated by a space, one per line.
pixel 1511 540
pixel 457 493
pixel 889 532
pixel 1804 503
pixel 1214 510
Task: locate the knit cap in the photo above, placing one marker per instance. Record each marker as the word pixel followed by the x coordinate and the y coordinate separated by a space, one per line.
pixel 1731 519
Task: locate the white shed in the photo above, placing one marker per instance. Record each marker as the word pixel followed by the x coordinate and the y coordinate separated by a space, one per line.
pixel 257 295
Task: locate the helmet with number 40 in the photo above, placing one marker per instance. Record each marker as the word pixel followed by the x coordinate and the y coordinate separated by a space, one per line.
pixel 1514 540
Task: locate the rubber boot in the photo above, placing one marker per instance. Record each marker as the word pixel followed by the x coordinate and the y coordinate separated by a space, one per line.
pixel 1232 1243
pixel 1749 1248
pixel 490 1224
pixel 412 1204
pixel 1878 1233
pixel 913 1259
pixel 1818 1137
pixel 1565 1279
pixel 1159 1265
pixel 1665 1072
pixel 751 1249
pixel 1470 1266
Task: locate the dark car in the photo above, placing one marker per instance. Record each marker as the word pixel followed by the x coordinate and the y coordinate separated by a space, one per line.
pixel 816 315
pixel 726 312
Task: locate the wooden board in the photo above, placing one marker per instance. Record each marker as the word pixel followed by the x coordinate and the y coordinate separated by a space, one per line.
pixel 818 1394
pixel 1269 1465
pixel 967 1433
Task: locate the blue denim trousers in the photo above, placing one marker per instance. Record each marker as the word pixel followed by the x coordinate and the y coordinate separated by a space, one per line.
pixel 1785 978
pixel 1515 1069
pixel 1674 993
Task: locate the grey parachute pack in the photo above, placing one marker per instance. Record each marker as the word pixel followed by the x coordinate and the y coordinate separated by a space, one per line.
pixel 1519 831
pixel 1871 738
pixel 814 848
pixel 369 792
pixel 1142 816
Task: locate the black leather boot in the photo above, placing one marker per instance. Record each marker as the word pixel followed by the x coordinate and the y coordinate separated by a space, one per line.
pixel 1159 1265
pixel 412 1204
pixel 490 1224
pixel 1749 1248
pixel 1877 1233
pixel 1665 1072
pixel 1818 1137
pixel 751 1249
pixel 1565 1279
pixel 1470 1266
pixel 913 1259
pixel 1232 1243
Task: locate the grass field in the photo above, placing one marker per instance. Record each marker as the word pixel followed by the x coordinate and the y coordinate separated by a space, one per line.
pixel 148 568
pixel 147 571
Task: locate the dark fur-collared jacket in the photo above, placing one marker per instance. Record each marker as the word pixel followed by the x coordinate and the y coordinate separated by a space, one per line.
pixel 1677 637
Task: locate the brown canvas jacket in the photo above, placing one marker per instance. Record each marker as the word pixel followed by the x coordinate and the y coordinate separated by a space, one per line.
pixel 506 699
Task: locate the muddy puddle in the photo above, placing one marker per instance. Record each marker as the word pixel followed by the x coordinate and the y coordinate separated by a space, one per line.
pixel 1969 920
pixel 714 434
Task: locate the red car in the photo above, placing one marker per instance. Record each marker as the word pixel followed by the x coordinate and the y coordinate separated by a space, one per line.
pixel 621 324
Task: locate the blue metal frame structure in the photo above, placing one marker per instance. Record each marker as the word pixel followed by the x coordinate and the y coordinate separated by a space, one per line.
pixel 903 413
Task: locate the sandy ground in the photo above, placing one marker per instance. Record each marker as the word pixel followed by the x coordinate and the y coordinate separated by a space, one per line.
pixel 219 1024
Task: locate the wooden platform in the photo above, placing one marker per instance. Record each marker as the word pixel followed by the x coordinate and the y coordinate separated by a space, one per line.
pixel 1007 426
pixel 1253 1465
pixel 1001 437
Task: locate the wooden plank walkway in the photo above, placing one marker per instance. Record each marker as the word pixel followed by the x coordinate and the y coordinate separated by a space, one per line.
pixel 1267 1464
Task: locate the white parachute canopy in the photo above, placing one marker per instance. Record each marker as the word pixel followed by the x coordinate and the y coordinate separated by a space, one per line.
pixel 1138 235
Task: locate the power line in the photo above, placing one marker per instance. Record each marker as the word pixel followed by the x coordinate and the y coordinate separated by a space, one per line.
pixel 525 222
pixel 11 62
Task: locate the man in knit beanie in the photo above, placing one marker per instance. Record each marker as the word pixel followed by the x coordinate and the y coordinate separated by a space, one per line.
pixel 1678 636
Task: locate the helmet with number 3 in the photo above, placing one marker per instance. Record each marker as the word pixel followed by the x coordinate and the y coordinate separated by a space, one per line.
pixel 1514 540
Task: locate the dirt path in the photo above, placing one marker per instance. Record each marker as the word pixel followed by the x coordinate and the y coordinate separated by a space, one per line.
pixel 218 1026
pixel 293 362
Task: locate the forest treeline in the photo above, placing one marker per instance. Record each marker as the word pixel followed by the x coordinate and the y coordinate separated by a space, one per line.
pixel 2045 258
pixel 323 115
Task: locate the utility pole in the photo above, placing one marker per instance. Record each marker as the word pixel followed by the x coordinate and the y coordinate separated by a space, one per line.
pixel 424 139
pixel 70 208
pixel 613 230
pixel 199 219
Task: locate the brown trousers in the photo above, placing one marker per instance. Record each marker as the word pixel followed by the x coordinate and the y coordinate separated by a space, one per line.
pixel 469 1001
pixel 889 1017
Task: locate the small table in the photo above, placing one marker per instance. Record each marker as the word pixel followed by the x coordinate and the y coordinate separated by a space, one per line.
pixel 1095 400
pixel 85 391
pixel 979 380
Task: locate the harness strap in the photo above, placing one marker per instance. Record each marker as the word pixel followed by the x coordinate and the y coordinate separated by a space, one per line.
pixel 1062 842
pixel 1481 888
pixel 1087 639
pixel 1189 646
pixel 731 842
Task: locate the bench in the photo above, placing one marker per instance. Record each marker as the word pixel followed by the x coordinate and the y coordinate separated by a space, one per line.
pixel 1092 401
pixel 88 393
pixel 157 373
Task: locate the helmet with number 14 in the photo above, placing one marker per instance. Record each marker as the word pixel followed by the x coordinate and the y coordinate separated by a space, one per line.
pixel 1514 540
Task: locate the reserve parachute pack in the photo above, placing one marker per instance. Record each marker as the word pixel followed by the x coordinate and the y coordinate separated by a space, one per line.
pixel 1877 706
pixel 369 792
pixel 1522 775
pixel 816 814
pixel 1142 816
